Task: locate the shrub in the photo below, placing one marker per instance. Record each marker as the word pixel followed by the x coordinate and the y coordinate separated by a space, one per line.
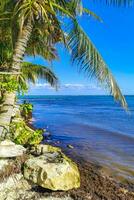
pixel 26 109
pixel 22 134
pixel 28 138
pixel 8 83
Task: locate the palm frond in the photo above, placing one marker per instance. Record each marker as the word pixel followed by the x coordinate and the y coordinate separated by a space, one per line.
pixel 92 14
pixel 85 55
pixel 76 9
pixel 32 72
pixel 43 39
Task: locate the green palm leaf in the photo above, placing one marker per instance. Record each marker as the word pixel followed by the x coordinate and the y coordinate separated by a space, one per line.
pixel 85 55
pixel 32 72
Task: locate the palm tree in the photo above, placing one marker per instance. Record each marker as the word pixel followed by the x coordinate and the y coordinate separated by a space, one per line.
pixel 35 13
pixel 29 71
pixel 47 17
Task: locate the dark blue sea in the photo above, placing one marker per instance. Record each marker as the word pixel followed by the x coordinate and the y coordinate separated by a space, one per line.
pixel 99 129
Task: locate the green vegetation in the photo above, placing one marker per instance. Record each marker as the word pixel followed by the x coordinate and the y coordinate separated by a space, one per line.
pixel 22 134
pixel 27 138
pixel 8 83
pixel 26 109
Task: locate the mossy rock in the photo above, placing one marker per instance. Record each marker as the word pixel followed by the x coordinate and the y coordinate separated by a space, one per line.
pixel 52 170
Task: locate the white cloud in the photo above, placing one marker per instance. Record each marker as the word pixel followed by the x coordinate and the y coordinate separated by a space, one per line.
pixel 80 86
pixel 65 89
pixel 73 86
pixel 43 86
pixel 70 86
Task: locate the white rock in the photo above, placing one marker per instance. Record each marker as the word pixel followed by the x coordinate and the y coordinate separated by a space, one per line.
pixel 10 182
pixel 16 111
pixel 3 163
pixel 9 149
pixel 13 187
pixel 16 187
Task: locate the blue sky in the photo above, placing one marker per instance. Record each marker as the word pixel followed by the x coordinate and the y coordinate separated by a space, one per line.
pixel 114 39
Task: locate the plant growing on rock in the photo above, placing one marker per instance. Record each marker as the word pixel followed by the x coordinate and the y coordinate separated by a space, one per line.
pixel 27 138
pixel 26 110
pixel 22 134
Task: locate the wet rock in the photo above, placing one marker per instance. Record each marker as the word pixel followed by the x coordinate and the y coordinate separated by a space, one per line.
pixel 52 170
pixel 46 135
pixel 57 142
pixel 70 146
pixel 9 149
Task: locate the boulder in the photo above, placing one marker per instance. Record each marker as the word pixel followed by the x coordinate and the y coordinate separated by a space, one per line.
pixel 9 149
pixel 52 170
pixel 70 146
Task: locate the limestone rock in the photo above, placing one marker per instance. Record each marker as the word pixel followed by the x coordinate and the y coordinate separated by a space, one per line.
pixel 17 188
pixel 14 187
pixel 52 170
pixel 9 149
pixel 3 163
pixel 16 111
pixel 70 146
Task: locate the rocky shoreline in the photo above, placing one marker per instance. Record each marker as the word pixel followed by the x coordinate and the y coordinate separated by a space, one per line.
pixel 94 184
pixel 19 183
pixel 45 166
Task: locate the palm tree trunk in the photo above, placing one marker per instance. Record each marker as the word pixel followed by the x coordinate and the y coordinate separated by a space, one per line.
pixel 6 112
pixel 9 98
pixel 20 46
